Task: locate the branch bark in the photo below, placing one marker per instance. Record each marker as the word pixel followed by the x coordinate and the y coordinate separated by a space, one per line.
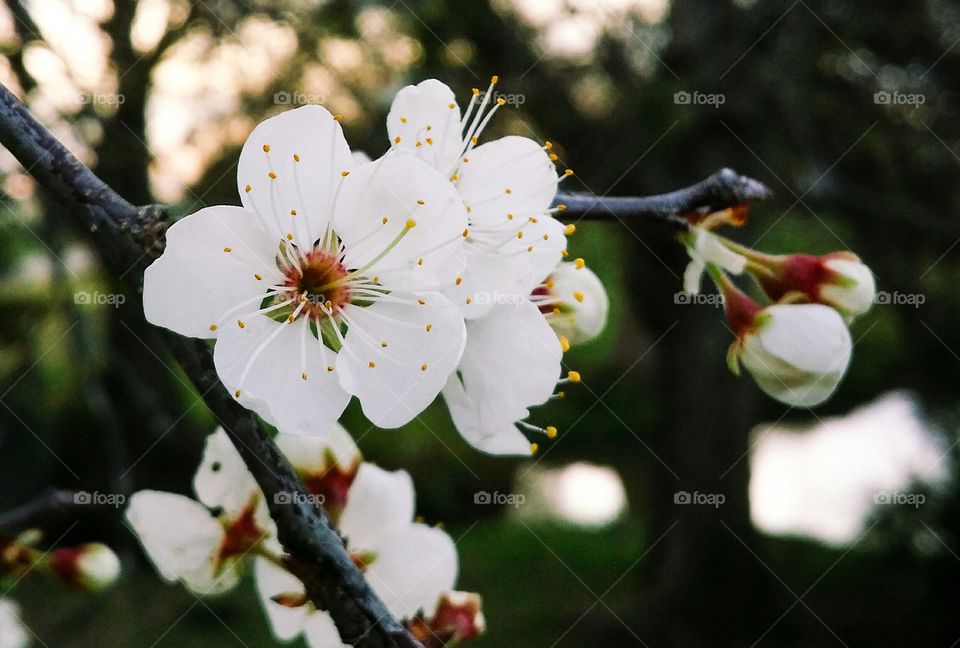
pixel 725 188
pixel 49 508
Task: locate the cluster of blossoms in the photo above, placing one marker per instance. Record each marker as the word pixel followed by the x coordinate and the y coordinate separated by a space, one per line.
pixel 798 347
pixel 207 543
pixel 437 268
pixel 90 567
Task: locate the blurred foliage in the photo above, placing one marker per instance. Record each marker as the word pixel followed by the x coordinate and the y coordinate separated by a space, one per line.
pixel 90 401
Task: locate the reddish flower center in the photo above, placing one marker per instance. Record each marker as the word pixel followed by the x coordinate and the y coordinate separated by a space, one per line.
pixel 321 281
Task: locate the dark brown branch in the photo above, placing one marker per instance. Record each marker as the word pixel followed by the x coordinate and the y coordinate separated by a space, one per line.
pixel 318 554
pixel 725 188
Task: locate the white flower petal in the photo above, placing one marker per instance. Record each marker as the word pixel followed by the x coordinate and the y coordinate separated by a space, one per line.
pixel 379 503
pixel 692 276
pixel 307 185
pixel 855 290
pixel 427 110
pixel 799 354
pixel 400 188
pixel 12 631
pixel 486 431
pixel 321 632
pixel 511 361
pixel 274 386
pixel 195 281
pixel 413 569
pixel 511 175
pixel 309 454
pixel 287 623
pixel 582 319
pixel 708 248
pixel 182 540
pixel 222 479
pixel 423 346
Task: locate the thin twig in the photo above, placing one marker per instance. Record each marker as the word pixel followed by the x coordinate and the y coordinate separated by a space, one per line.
pixel 46 510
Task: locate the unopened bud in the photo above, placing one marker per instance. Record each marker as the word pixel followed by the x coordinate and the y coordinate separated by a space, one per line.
pixel 92 567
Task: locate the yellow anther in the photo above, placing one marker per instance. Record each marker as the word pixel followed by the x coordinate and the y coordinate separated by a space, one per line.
pixel 396 140
pixel 421 301
pixel 579 263
pixel 241 324
pixel 475 91
pixel 468 300
pixel 266 148
pixel 494 79
pixel 423 367
pixel 290 318
pixel 419 143
pixel 337 117
pixel 529 248
pixel 561 207
pixel 568 172
pixel 304 375
pixel 296 158
pixel 214 327
pixel 519 235
pixel 237 393
pixel 466 232
pixel 534 448
pixel 403 120
pixel 289 236
pixel 555 311
pixel 551 432
pixel 465 160
pixel 272 175
pixel 564 343
pixel 578 295
pixel 328 304
pixel 430 141
pixel 532 219
pixel 410 224
pixel 371 364
pixel 452 105
pixel 548 145
pixel 573 376
pixel 548 283
pixel 429 327
pixel 565 253
pixel 474 140
pixel 570 229
pixel 344 174
pixel 228 249
pixel 258 276
pixel 561 394
pixel 329 368
pixel 553 157
pixel 420 261
pixel 509 216
pixel 454 177
pixel 501 101
pixel 384 344
pixel 546 237
pixel 420 202
pixel 247 188
pixel 376 279
pixel 293 212
pixel 384 220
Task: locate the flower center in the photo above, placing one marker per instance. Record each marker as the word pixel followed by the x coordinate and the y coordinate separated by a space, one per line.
pixel 321 278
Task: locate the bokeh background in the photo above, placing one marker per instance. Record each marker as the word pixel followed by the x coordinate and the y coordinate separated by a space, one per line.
pixel 837 527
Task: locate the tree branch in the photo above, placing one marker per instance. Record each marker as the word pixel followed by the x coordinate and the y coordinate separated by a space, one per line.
pixel 725 188
pixel 318 554
pixel 48 509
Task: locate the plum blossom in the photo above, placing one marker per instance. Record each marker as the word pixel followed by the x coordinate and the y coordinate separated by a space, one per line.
pixel 326 283
pixel 796 353
pixel 410 565
pixel 205 544
pixel 574 302
pixel 13 634
pixel 508 184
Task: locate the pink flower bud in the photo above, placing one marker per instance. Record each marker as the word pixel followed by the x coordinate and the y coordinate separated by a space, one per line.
pixel 92 567
pixel 839 280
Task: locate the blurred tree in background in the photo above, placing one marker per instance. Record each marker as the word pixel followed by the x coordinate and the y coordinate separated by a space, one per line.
pixel 158 95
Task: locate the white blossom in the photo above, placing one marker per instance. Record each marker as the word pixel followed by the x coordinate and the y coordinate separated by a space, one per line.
pixel 13 634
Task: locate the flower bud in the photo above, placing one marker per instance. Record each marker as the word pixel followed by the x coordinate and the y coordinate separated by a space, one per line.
pixel 839 280
pixel 796 353
pixel 705 247
pixel 574 301
pixel 92 567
